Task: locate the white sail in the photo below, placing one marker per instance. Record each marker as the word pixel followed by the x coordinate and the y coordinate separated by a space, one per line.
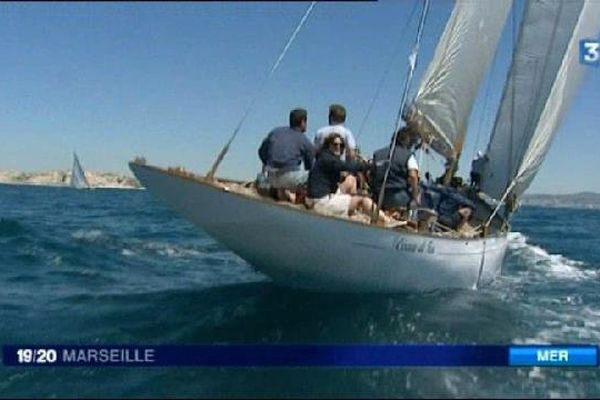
pixel 543 78
pixel 448 90
pixel 78 179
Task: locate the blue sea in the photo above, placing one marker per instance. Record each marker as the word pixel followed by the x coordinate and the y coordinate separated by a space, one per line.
pixel 117 267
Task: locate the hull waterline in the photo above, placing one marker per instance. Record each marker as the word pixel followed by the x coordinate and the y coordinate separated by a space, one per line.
pixel 306 250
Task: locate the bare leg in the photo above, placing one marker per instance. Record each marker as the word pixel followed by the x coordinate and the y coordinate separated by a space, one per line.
pixel 367 207
pixel 349 185
pixel 365 204
pixel 362 182
pixel 355 203
pixel 285 195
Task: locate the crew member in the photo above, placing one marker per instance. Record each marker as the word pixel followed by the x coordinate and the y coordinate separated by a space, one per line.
pixel 283 151
pixel 402 185
pixel 337 118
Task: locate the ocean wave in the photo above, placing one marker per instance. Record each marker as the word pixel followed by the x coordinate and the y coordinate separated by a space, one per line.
pixel 132 247
pixel 86 235
pixel 170 250
pixel 10 227
pixel 562 325
pixel 554 265
pixel 127 253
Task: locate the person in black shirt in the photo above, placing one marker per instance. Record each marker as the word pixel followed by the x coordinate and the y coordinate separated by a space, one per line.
pixel 325 191
pixel 477 167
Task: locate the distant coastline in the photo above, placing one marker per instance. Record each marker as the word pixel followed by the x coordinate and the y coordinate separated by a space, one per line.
pixel 583 200
pixel 63 178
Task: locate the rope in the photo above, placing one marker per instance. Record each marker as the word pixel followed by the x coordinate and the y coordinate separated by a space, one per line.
pixel 502 200
pixel 210 175
pixel 481 264
pixel 512 118
pixel 412 65
pixel 383 78
pixel 484 113
pixel 512 100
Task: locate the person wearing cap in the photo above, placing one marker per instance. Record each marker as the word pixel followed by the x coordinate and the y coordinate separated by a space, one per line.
pixel 477 168
pixel 337 118
pixel 282 153
pixel 402 185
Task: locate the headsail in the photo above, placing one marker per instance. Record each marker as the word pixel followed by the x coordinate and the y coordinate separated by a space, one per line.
pixel 544 75
pixel 78 179
pixel 448 90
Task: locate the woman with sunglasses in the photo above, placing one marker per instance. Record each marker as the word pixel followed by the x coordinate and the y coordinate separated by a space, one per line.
pixel 327 193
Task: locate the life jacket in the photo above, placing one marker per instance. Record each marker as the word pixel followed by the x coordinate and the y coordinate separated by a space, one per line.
pixel 398 176
pixel 446 201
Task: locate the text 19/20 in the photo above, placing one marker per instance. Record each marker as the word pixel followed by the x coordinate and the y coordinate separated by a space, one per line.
pixel 36 356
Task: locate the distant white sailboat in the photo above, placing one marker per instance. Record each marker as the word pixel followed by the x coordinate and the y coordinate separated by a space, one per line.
pixel 78 179
pixel 301 248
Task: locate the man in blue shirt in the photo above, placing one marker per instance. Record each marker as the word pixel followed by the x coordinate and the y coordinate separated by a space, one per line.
pixel 282 153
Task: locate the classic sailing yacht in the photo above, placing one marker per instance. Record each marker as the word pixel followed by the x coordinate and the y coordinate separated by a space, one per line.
pixel 301 248
pixel 78 179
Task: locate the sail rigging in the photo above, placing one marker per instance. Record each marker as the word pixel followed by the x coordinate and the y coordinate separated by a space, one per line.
pixel 384 76
pixel 449 87
pixel 213 169
pixel 543 77
pixel 78 179
pixel 412 64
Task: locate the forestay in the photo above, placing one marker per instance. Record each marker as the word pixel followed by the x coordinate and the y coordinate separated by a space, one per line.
pixel 448 90
pixel 544 75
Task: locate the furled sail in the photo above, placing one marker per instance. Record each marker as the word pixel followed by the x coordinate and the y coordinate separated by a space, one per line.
pixel 544 75
pixel 449 87
pixel 78 179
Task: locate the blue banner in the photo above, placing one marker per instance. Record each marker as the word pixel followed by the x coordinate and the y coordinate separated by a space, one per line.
pixel 299 355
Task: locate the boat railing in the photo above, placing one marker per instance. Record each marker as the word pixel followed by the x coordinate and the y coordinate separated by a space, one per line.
pixel 249 189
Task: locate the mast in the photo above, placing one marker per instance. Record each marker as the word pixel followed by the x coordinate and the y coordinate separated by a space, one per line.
pixel 411 69
pixel 440 110
pixel 543 78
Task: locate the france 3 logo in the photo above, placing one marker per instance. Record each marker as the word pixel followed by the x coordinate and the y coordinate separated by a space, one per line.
pixel 589 52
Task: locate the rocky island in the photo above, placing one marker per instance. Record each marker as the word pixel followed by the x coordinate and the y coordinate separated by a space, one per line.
pixel 586 200
pixel 63 178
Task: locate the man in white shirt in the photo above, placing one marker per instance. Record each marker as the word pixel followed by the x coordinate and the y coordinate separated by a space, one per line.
pixel 337 117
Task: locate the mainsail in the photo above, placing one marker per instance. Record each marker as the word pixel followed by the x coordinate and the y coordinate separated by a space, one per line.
pixel 78 179
pixel 544 75
pixel 444 100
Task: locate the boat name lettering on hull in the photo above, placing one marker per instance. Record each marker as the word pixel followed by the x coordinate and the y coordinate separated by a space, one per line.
pixel 425 246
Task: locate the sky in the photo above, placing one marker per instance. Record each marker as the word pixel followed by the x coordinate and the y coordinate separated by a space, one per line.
pixel 170 81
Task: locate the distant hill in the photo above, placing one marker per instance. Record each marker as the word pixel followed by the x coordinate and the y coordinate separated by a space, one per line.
pixel 63 178
pixel 587 200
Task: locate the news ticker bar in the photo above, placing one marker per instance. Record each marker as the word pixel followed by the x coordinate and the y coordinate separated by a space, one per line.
pixel 301 355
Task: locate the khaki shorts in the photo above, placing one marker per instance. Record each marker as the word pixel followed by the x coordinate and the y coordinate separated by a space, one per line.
pixel 336 204
pixel 287 180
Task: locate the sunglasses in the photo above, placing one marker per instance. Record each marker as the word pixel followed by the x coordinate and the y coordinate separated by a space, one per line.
pixel 338 144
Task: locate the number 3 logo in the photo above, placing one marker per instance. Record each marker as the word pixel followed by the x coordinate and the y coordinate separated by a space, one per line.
pixel 589 52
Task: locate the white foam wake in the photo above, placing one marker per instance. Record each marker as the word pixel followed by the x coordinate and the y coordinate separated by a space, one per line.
pixel 92 235
pixel 170 250
pixel 555 265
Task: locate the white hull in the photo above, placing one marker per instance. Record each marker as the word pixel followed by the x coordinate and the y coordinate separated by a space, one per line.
pixel 303 249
